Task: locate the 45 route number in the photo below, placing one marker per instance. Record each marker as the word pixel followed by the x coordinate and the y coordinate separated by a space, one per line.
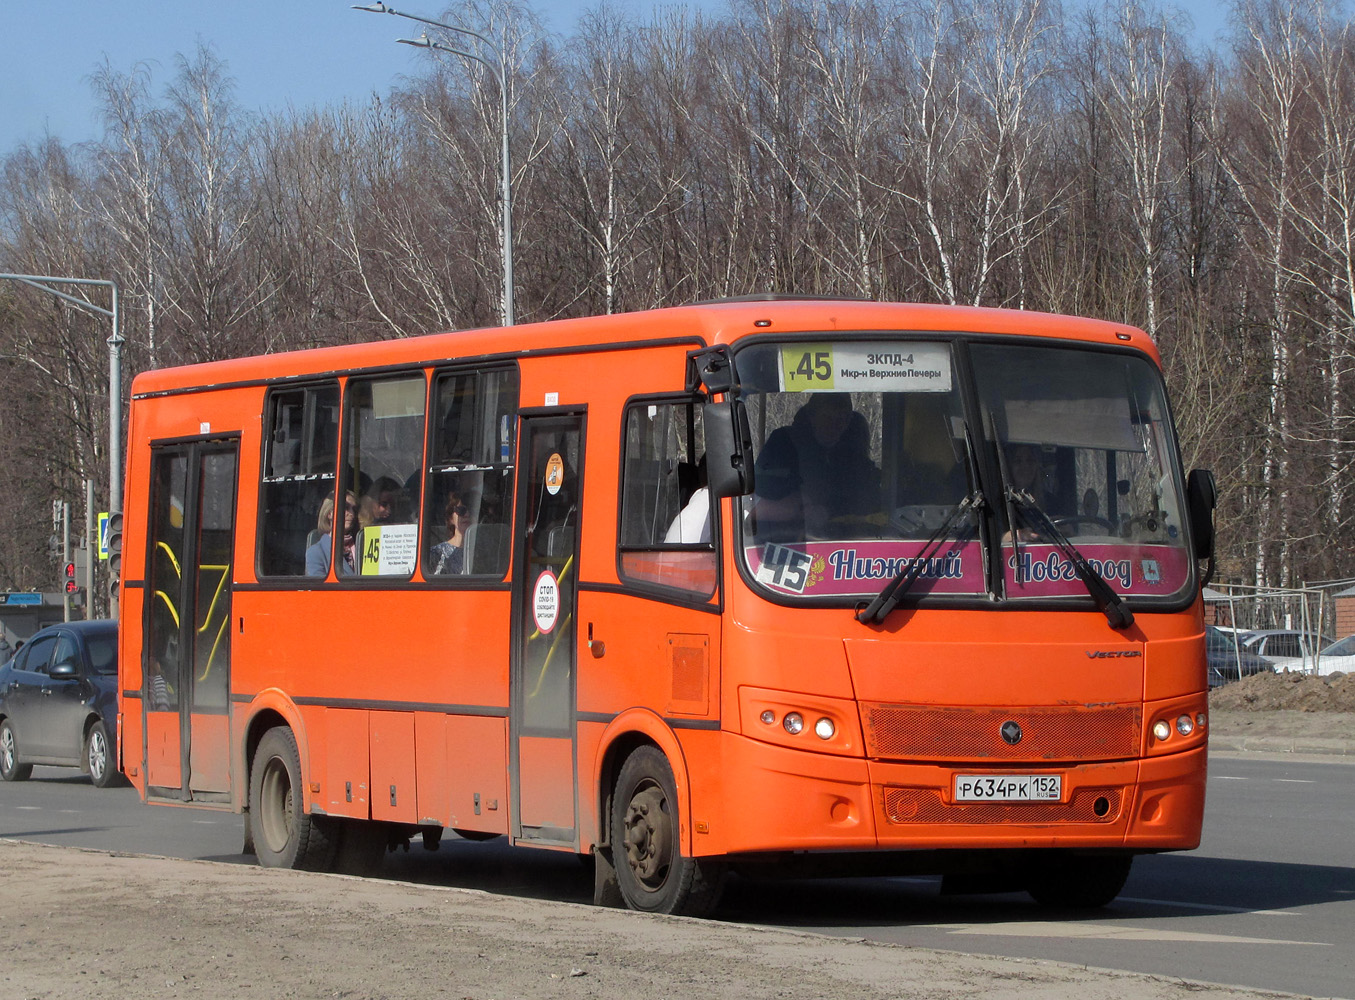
pixel 785 568
pixel 807 367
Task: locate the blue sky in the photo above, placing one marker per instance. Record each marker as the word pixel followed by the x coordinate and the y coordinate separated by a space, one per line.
pixel 302 52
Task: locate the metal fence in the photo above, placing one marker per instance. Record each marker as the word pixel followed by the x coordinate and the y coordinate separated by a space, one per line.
pixel 1310 610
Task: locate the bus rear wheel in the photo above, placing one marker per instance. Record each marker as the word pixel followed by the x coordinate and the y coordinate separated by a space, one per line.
pixel 285 835
pixel 1079 882
pixel 652 873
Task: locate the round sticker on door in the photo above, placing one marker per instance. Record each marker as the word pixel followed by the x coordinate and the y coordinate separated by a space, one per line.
pixel 555 473
pixel 546 601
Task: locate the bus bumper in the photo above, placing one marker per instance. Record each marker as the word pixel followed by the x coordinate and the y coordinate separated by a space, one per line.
pixel 778 799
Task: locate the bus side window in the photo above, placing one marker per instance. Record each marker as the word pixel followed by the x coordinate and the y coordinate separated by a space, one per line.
pixel 383 459
pixel 666 511
pixel 303 431
pixel 468 495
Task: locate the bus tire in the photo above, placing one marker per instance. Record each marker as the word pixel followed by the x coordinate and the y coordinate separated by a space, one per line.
pixel 10 768
pixel 103 770
pixel 285 835
pixel 1079 882
pixel 652 874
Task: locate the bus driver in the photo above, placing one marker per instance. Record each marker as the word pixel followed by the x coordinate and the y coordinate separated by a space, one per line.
pixel 814 478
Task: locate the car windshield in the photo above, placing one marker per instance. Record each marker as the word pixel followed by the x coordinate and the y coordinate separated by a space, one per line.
pixel 865 452
pixel 1342 647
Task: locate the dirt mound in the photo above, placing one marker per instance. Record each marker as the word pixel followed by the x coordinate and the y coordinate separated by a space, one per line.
pixel 1286 691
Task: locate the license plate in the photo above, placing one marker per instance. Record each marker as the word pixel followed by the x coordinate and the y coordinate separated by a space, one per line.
pixel 1008 787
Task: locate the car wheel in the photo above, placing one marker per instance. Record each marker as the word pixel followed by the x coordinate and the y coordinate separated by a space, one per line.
pixel 285 835
pixel 103 770
pixel 10 768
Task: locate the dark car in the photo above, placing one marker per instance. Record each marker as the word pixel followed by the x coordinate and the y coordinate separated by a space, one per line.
pixel 1229 662
pixel 59 702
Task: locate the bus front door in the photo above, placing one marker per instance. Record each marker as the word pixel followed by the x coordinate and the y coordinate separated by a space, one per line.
pixel 542 716
pixel 186 654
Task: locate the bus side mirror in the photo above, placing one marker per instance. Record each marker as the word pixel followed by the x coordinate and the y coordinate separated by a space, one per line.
pixel 729 449
pixel 1201 495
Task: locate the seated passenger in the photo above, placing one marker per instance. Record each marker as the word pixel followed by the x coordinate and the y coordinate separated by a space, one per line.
pixel 692 523
pixel 318 556
pixel 450 556
pixel 814 477
pixel 384 503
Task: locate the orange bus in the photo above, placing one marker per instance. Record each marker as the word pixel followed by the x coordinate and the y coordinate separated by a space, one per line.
pixel 769 584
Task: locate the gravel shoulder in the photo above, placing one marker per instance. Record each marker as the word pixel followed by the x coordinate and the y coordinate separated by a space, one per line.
pixel 88 924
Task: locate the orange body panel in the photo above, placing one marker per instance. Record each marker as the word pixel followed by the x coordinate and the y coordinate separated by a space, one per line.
pixel 400 695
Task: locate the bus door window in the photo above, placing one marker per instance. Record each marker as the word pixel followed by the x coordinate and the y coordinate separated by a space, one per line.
pixel 470 474
pixel 666 511
pixel 299 459
pixel 551 536
pixel 383 456
pixel 212 599
pixel 164 657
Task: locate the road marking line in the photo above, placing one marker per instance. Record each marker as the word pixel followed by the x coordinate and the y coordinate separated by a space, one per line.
pixel 1296 781
pixel 1208 906
pixel 1230 777
pixel 1106 932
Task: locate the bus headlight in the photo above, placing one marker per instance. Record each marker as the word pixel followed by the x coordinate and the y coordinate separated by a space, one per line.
pixel 1185 725
pixel 824 729
pixel 793 723
pixel 1162 730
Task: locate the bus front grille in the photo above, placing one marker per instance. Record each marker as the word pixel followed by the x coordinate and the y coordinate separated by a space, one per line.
pixel 929 732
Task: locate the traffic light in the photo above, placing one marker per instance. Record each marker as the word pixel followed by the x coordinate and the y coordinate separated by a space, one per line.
pixel 114 550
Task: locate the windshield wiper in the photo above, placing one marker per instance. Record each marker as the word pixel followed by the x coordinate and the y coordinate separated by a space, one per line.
pixel 888 598
pixel 1109 602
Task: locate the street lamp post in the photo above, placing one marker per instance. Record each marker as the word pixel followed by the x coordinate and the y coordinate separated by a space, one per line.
pixel 115 342
pixel 499 69
pixel 44 283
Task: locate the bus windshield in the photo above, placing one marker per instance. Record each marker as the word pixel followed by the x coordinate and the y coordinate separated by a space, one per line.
pixel 869 463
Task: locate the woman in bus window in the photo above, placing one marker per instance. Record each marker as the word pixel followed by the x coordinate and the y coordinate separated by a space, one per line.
pixel 450 556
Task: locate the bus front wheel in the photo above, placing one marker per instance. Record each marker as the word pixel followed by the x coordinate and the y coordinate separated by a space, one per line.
pixel 285 835
pixel 652 873
pixel 1079 882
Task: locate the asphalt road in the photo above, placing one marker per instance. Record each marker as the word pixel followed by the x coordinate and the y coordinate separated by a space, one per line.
pixel 1268 901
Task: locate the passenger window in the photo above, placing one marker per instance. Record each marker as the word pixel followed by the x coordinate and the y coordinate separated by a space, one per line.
pixel 666 511
pixel 384 435
pixel 299 464
pixel 37 653
pixel 470 474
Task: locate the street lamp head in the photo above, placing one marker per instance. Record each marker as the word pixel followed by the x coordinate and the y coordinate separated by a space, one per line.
pixel 423 42
pixel 373 8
